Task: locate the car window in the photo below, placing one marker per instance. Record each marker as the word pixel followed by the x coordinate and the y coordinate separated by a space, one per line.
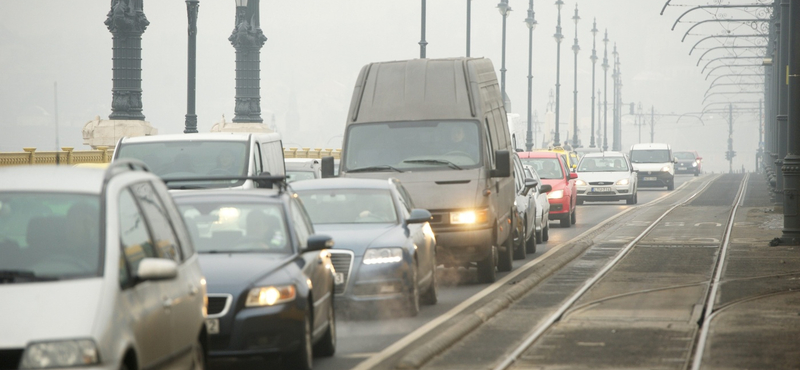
pixel 134 237
pixel 650 156
pixel 299 175
pixel 233 227
pixel 155 213
pixel 684 155
pixel 345 206
pixel 257 161
pixel 547 168
pixel 53 235
pixel 301 226
pixel 603 164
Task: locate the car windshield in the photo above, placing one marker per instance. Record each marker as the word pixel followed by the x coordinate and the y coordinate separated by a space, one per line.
pixel 547 168
pixel 688 156
pixel 650 156
pixel 432 145
pixel 299 175
pixel 178 159
pixel 603 164
pixel 349 206
pixel 49 236
pixel 221 227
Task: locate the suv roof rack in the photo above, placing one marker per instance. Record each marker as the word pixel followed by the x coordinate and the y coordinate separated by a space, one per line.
pixel 263 181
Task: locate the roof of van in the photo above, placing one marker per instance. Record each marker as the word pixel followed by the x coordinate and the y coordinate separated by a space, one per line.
pixel 424 89
pixel 211 136
pixel 650 146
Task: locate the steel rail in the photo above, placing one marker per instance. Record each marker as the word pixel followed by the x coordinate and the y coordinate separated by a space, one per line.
pixel 558 314
pixel 715 283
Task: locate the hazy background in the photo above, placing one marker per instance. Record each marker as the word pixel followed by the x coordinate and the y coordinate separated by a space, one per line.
pixel 316 49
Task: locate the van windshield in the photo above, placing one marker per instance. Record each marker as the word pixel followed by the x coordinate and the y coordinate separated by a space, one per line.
pixel 650 156
pixel 179 159
pixel 401 146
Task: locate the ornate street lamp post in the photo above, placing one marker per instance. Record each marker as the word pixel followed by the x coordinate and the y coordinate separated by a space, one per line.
pixel 126 22
pixel 469 23
pixel 605 91
pixel 504 9
pixel 558 36
pixel 531 23
pixel 594 62
pixel 190 124
pixel 616 100
pixel 422 43
pixel 247 38
pixel 575 49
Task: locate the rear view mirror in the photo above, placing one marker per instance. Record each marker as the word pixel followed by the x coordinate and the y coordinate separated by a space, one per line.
pixel 573 175
pixel 318 242
pixel 503 159
pixel 156 269
pixel 531 183
pixel 419 216
pixel 546 188
pixel 327 169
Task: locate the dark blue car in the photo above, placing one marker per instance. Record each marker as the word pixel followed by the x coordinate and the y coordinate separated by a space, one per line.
pixel 270 278
pixel 385 253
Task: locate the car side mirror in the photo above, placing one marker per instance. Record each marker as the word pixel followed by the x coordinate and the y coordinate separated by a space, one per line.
pixel 675 160
pixel 327 167
pixel 156 269
pixel 699 158
pixel 573 175
pixel 419 216
pixel 531 183
pixel 546 188
pixel 503 160
pixel 318 242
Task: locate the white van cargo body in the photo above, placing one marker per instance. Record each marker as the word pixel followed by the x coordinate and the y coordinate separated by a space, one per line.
pixel 655 165
pixel 215 154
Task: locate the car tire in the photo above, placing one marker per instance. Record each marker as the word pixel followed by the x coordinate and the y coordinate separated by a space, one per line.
pixel 631 199
pixel 530 244
pixel 519 244
pixel 540 235
pixel 326 347
pixel 546 231
pixel 302 358
pixel 198 356
pixel 573 217
pixel 579 201
pixel 506 256
pixel 412 300
pixel 487 271
pixel 430 297
pixel 565 220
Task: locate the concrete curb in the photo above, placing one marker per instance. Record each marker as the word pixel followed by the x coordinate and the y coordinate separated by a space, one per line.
pixel 422 354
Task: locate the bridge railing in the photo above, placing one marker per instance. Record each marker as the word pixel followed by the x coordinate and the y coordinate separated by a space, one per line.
pixel 311 153
pixel 66 156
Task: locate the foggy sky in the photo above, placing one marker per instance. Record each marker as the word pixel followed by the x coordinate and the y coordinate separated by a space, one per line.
pixel 315 50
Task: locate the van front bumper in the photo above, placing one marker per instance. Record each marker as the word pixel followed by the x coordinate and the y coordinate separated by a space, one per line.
pixel 458 245
pixel 655 179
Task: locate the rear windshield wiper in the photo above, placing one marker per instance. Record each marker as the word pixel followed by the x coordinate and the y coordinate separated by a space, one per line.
pixel 11 276
pixel 385 167
pixel 435 161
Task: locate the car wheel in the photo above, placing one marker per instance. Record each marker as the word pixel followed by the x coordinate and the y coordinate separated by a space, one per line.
pixel 519 243
pixel 579 201
pixel 412 301
pixel 487 272
pixel 302 357
pixel 635 197
pixel 430 297
pixel 506 256
pixel 198 356
pixel 546 231
pixel 326 347
pixel 573 217
pixel 530 244
pixel 631 199
pixel 539 235
pixel 565 220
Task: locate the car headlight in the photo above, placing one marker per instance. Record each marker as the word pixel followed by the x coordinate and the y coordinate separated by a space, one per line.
pixel 694 164
pixel 665 169
pixel 374 256
pixel 580 182
pixel 469 217
pixel 623 182
pixel 270 295
pixel 64 353
pixel 555 194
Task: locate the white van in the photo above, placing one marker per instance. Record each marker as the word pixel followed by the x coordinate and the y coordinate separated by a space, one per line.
pixel 655 165
pixel 207 155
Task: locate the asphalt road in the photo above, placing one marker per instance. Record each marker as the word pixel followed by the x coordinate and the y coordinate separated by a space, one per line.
pixel 360 339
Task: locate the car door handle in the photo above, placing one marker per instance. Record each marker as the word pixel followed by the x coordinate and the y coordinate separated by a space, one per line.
pixel 193 290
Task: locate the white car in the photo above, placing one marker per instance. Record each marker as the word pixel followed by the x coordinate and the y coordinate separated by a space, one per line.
pixel 298 169
pixel 606 176
pixel 542 220
pixel 97 270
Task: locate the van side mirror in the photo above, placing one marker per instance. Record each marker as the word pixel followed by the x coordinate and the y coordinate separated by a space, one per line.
pixel 327 167
pixel 546 188
pixel 503 164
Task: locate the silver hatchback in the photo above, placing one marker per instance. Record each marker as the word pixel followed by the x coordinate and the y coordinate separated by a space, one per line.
pixel 96 271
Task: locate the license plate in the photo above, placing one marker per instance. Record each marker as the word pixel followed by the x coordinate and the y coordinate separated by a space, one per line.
pixel 601 190
pixel 212 326
pixel 650 178
pixel 338 279
pixel 681 168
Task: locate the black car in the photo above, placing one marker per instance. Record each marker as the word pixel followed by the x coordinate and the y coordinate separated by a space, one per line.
pixel 688 162
pixel 270 278
pixel 386 250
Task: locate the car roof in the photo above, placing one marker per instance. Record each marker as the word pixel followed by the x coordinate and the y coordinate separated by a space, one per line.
pixel 341 183
pixel 227 195
pixel 547 154
pixel 603 154
pixel 51 178
pixel 210 136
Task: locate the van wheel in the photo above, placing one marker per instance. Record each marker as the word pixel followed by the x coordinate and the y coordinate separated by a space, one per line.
pixel 487 273
pixel 506 257
pixel 671 185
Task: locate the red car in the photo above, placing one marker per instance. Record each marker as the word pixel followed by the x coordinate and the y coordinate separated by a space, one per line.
pixel 552 168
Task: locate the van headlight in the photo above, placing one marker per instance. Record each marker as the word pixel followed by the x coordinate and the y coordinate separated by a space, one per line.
pixel 665 169
pixel 623 182
pixel 63 353
pixel 580 182
pixel 469 217
pixel 374 256
pixel 555 194
pixel 270 295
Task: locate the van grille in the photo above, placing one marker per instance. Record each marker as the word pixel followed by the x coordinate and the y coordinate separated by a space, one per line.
pixel 10 359
pixel 342 261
